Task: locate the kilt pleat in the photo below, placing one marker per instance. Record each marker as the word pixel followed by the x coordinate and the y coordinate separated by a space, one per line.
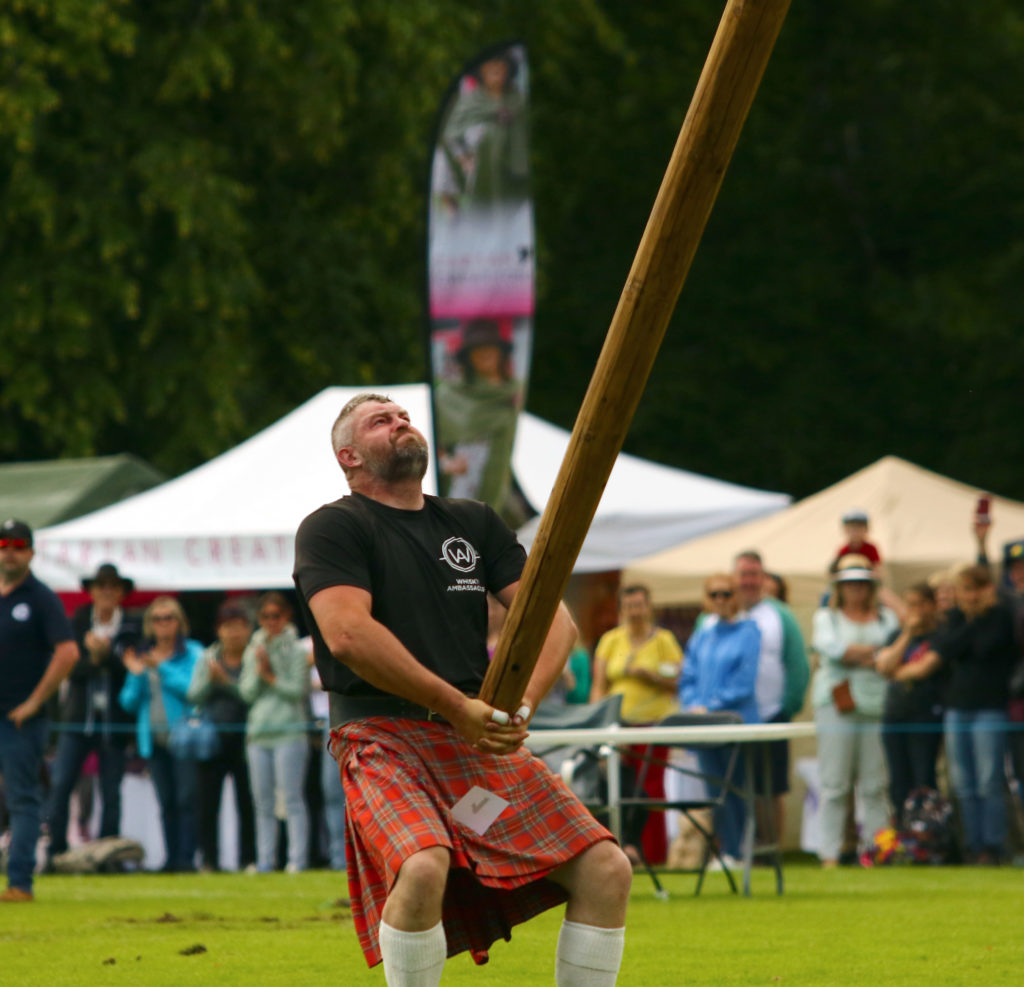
pixel 401 780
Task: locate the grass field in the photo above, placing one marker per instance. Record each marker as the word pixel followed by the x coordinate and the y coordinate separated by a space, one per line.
pixel 882 927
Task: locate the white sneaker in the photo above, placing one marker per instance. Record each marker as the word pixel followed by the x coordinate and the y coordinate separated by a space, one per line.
pixel 292 868
pixel 716 866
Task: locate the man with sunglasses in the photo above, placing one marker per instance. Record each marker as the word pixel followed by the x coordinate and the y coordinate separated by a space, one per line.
pixel 37 651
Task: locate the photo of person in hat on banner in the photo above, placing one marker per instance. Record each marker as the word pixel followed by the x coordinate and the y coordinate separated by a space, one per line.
pixel 476 416
pixel 93 721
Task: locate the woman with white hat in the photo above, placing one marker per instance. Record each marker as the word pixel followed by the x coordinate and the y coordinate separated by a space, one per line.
pixel 848 695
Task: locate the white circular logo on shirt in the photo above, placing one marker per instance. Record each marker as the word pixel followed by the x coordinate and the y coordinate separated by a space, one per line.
pixel 459 554
pixel 21 611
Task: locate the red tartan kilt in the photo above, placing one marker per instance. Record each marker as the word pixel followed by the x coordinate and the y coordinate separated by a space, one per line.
pixel 401 779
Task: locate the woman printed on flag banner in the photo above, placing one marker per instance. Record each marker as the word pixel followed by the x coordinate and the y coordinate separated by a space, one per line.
pixel 482 154
pixel 476 417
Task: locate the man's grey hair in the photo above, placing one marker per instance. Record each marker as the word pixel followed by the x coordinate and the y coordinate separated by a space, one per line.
pixel 750 555
pixel 341 430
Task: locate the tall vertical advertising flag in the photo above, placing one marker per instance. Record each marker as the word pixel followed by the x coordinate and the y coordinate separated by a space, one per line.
pixel 480 268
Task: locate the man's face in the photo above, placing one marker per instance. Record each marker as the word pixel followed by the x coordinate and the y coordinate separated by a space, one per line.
pixel 390 448
pixel 1017 574
pixel 749 581
pixel 15 559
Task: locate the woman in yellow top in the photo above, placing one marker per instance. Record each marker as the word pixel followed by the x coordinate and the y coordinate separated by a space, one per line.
pixel 639 661
pixel 642 663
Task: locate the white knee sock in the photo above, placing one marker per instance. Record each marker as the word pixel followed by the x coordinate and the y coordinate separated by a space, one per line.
pixel 412 959
pixel 588 956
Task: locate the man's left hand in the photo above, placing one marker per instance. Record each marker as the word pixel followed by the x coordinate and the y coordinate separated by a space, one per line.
pixel 474 724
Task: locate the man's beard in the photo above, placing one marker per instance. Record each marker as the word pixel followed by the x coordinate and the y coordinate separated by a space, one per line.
pixel 406 461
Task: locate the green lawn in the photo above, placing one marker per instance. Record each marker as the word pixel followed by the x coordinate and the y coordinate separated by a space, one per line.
pixel 879 927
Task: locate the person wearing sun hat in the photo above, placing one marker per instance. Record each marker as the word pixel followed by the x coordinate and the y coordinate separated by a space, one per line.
pixel 93 719
pixel 37 651
pixel 848 695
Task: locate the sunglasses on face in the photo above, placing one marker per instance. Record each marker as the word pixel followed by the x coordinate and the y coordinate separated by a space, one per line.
pixel 19 543
pixel 159 618
pixel 720 594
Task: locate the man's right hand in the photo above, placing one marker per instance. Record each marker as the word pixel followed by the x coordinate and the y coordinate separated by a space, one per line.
pixel 474 724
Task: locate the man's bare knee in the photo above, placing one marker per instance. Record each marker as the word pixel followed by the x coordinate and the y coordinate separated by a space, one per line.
pixel 609 868
pixel 414 902
pixel 598 882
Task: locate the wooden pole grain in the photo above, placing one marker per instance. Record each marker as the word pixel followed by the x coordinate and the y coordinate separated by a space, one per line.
pixel 725 91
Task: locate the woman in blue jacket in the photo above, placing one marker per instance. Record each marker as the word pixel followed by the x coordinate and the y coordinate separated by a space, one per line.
pixel 720 673
pixel 160 670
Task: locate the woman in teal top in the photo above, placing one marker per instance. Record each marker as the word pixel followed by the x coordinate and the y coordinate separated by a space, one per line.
pixel 159 672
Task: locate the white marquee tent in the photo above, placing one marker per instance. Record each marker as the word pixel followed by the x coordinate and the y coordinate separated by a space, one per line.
pixel 230 523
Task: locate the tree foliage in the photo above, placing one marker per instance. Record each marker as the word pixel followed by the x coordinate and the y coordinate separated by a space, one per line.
pixel 209 209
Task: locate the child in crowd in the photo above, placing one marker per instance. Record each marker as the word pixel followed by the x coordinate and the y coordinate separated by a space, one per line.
pixel 855 526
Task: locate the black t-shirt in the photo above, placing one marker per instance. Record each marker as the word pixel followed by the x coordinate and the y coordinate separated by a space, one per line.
pixel 981 654
pixel 32 624
pixel 915 700
pixel 427 571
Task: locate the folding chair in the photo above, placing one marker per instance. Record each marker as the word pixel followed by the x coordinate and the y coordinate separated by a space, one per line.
pixel 690 807
pixel 579 767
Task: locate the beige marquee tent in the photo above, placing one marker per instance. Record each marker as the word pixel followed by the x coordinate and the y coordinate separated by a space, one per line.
pixel 920 521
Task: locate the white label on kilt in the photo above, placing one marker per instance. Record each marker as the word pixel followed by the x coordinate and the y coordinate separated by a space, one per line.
pixel 478 809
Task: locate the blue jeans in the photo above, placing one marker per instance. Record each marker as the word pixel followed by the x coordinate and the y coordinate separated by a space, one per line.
pixel 976 748
pixel 334 805
pixel 731 815
pixel 176 784
pixel 72 750
pixel 21 759
pixel 281 766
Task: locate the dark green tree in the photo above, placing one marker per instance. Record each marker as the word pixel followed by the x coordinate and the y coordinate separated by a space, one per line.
pixel 209 209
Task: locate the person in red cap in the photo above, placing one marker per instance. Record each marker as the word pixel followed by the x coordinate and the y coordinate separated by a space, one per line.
pixel 37 651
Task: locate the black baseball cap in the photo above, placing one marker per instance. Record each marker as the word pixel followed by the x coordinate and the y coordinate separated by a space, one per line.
pixel 13 528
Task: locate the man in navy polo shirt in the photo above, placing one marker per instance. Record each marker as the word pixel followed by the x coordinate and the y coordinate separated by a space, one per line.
pixel 37 651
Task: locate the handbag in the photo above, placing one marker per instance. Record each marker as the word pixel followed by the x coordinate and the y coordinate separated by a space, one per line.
pixel 843 697
pixel 194 738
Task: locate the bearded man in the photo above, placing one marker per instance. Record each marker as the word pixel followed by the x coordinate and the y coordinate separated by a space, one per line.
pixel 455 833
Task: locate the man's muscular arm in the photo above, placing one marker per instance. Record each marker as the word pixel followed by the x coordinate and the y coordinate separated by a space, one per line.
pixel 553 653
pixel 366 646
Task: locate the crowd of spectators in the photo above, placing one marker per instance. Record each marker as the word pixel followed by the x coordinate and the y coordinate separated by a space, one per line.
pixel 899 683
pixel 146 695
